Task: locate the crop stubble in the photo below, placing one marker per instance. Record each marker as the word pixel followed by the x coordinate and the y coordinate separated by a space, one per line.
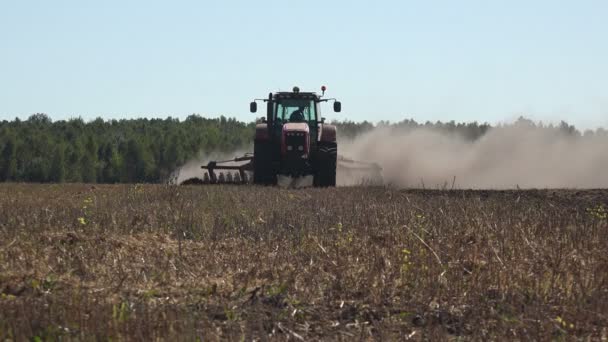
pixel 227 262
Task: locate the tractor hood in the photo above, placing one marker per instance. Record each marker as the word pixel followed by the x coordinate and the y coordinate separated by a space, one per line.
pixel 295 127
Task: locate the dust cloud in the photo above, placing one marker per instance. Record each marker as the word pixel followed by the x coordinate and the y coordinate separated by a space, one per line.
pixel 504 158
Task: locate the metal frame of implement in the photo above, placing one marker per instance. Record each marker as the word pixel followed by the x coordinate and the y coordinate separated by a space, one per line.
pixel 212 167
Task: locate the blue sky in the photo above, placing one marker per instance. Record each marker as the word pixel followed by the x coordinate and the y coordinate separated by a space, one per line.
pixel 386 60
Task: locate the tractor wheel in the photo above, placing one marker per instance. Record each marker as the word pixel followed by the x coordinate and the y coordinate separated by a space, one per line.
pixel 263 170
pixel 325 175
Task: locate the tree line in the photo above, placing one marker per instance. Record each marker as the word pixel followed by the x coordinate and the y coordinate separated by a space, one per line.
pixel 113 151
pixel 150 150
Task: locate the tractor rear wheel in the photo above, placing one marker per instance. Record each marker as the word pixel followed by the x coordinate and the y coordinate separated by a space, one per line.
pixel 263 169
pixel 325 175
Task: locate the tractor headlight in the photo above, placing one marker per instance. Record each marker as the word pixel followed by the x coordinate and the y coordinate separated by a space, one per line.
pixel 300 148
pixel 289 148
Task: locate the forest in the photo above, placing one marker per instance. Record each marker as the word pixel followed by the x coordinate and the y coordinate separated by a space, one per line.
pixel 148 150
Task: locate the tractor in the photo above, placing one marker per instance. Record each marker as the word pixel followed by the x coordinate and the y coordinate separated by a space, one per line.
pixel 292 146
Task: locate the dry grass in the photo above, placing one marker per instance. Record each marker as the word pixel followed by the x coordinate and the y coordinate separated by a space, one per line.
pixel 225 262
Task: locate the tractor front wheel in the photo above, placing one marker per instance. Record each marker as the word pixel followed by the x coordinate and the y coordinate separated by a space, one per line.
pixel 325 175
pixel 263 169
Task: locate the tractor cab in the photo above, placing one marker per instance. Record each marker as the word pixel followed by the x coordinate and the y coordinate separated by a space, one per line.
pixel 294 107
pixel 295 112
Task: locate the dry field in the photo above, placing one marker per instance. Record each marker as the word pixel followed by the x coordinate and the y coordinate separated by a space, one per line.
pixel 81 262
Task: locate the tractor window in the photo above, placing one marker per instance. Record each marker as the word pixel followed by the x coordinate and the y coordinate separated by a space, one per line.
pixel 296 110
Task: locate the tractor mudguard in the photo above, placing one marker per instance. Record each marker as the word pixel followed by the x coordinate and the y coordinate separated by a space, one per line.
pixel 261 132
pixel 328 133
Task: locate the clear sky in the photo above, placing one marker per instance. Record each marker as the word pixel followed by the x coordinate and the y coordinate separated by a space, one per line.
pixel 386 60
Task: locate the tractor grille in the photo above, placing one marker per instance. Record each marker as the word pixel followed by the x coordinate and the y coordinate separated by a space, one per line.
pixel 295 143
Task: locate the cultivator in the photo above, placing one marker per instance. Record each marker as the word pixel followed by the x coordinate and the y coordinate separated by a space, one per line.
pixel 293 146
pixel 231 172
pixel 225 172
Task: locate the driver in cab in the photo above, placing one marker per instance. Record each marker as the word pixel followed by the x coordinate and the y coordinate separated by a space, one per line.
pixel 298 115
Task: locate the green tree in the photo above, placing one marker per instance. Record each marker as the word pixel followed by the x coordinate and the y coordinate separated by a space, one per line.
pixel 115 168
pixel 136 163
pixel 88 162
pixel 37 170
pixel 174 153
pixel 88 169
pixel 8 160
pixel 74 153
pixel 57 171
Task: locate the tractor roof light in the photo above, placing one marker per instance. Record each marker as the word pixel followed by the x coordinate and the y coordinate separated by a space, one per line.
pixel 296 90
pixel 323 89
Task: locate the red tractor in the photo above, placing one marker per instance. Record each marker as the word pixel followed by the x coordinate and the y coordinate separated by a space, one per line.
pixel 292 146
